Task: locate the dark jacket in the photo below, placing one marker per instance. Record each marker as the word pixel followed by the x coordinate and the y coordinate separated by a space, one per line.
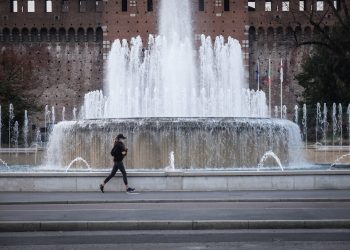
pixel 117 150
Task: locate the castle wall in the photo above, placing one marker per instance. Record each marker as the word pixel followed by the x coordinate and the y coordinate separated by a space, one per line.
pixel 68 46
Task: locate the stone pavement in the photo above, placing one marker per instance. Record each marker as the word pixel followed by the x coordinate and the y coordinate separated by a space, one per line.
pixel 68 211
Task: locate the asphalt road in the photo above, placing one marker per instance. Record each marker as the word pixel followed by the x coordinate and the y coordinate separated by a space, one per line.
pixel 189 240
pixel 177 211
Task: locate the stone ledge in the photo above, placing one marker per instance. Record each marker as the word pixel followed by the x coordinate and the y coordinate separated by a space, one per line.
pixel 228 181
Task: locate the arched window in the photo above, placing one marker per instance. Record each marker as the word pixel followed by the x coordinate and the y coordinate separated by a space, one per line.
pixel 62 35
pixel 99 34
pixel 25 35
pixel 149 5
pixel 200 5
pixel 15 35
pixel 71 35
pixel 252 33
pixel 43 35
pixel 124 5
pixel 279 34
pixel 6 35
pixel 298 33
pixel 53 35
pixel 261 35
pixel 81 35
pixel 34 35
pixel 289 33
pixel 226 5
pixel 90 35
pixel 270 37
pixel 307 33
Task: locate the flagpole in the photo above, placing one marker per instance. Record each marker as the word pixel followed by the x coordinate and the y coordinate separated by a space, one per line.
pixel 281 78
pixel 258 74
pixel 269 82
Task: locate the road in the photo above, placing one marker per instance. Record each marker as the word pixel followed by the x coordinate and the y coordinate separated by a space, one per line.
pixel 337 239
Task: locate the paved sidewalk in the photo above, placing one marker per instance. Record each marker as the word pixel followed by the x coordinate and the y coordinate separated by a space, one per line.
pixel 174 210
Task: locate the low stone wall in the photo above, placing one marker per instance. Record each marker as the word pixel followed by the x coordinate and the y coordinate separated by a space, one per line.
pixel 178 181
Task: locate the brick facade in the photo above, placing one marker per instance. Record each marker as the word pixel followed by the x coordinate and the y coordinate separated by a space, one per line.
pixel 69 44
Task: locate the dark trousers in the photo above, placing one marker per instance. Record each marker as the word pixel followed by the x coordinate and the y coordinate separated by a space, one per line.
pixel 117 165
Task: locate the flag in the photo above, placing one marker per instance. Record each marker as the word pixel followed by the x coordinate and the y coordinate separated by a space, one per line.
pixel 281 71
pixel 269 73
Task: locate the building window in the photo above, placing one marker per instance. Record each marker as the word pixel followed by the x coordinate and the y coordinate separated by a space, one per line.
pixel 301 5
pixel 31 6
pixel 149 5
pixel 65 6
pixel 124 5
pixel 82 5
pixel 14 7
pixel 251 5
pixel 99 6
pixel 218 3
pixel 268 5
pixel 132 3
pixel 285 5
pixel 48 7
pixel 319 5
pixel 336 4
pixel 201 5
pixel 226 5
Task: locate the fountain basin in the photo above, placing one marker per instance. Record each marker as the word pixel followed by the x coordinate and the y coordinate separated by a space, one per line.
pixel 202 180
pixel 197 143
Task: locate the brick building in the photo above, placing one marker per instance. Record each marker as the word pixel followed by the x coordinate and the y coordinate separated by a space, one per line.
pixel 68 40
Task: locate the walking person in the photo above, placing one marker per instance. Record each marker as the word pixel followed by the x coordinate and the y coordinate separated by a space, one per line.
pixel 119 151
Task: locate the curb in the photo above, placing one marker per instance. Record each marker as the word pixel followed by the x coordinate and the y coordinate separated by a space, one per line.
pixel 32 226
pixel 176 201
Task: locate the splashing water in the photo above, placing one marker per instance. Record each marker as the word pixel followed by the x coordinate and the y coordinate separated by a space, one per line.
pixel 171 166
pixel 276 112
pixel 74 114
pixel 171 79
pixel 4 163
pixel 11 117
pixel 269 154
pixel 334 122
pixel 304 123
pixel 53 115
pixel 284 112
pixel 325 123
pixel 337 161
pixel 318 120
pixel 340 122
pixel 76 160
pixel 15 136
pixel 63 113
pixel 25 129
pixel 296 114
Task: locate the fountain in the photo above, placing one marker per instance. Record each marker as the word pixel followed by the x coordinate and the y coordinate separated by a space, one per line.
pixel 169 96
pixel 74 114
pixel 296 114
pixel 77 160
pixel 269 154
pixel 11 117
pixel 25 129
pixel 171 166
pixel 63 113
pixel 304 123
pixel 4 164
pixel 340 123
